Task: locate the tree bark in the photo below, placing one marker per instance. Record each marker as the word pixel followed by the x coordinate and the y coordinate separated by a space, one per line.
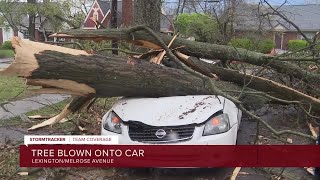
pixel 75 72
pixel 69 71
pixel 196 49
pixel 148 12
pixel 32 24
pixel 114 23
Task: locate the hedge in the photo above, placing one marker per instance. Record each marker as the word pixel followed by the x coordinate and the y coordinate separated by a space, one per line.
pixel 244 43
pixel 294 45
pixel 263 46
pixel 7 45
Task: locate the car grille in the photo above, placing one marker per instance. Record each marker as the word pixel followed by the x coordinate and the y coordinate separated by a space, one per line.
pixel 148 134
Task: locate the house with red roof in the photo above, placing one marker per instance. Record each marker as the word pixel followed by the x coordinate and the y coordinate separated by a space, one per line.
pixel 101 11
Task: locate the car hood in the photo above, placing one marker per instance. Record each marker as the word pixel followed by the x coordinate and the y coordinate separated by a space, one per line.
pixel 169 111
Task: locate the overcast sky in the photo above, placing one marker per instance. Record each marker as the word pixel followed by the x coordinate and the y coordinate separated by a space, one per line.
pixel 292 2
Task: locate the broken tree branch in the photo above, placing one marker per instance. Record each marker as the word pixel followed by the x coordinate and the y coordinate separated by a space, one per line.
pixel 70 71
pixel 76 104
pixel 163 53
pixel 192 48
pixel 258 83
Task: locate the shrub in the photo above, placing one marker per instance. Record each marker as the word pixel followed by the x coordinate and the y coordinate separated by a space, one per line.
pixel 200 26
pixel 7 45
pixel 244 43
pixel 265 46
pixel 297 44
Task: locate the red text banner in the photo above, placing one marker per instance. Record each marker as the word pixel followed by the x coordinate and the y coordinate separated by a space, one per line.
pixel 169 156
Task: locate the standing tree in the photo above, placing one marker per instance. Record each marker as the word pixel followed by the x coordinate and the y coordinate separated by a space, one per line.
pixel 32 18
pixel 114 23
pixel 148 12
pixel 200 26
pixel 13 14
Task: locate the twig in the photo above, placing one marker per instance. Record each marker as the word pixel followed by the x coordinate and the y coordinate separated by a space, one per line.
pixel 290 22
pixel 253 116
pixel 298 103
pixel 278 133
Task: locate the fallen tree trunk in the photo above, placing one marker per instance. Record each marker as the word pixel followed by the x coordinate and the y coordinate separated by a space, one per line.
pixel 68 71
pixel 75 72
pixel 193 48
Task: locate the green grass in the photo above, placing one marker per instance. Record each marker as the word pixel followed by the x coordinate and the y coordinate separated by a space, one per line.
pixel 10 158
pixel 6 53
pixel 11 87
pixel 52 109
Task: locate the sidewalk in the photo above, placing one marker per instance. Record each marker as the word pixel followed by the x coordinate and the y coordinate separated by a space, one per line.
pixel 19 107
pixel 5 62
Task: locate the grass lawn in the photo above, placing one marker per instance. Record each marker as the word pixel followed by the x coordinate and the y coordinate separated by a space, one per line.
pixel 9 157
pixel 10 87
pixel 6 53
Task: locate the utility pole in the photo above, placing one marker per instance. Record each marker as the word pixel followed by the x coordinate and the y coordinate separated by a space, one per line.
pixel 114 23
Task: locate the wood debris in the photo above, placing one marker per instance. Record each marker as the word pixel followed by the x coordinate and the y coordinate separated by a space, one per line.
pixel 160 56
pixel 235 173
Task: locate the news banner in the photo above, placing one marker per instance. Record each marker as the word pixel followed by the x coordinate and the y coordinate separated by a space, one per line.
pixel 105 151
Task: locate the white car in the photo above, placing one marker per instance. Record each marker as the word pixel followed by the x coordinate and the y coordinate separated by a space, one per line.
pixel 194 120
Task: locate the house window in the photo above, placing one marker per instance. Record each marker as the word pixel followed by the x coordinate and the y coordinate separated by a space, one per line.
pixel 95 14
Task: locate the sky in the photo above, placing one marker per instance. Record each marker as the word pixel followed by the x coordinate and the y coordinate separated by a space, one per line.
pixel 292 2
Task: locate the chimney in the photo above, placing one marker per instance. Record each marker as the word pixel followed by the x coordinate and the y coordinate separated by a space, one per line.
pixel 127 12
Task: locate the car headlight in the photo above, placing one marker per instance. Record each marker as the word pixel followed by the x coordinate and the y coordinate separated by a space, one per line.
pixel 112 123
pixel 216 125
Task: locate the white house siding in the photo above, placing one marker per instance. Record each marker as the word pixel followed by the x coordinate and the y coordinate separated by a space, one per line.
pixel 8 33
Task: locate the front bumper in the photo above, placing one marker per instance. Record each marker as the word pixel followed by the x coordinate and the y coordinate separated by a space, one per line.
pixel 227 138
